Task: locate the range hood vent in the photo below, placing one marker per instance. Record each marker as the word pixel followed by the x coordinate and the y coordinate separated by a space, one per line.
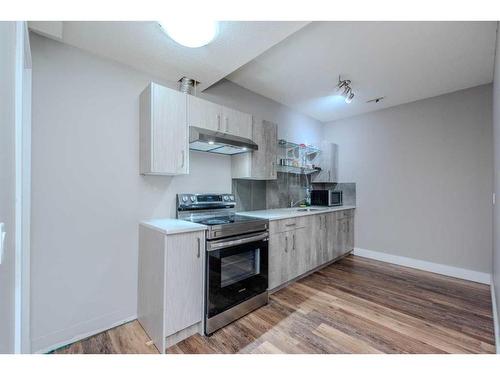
pixel 219 143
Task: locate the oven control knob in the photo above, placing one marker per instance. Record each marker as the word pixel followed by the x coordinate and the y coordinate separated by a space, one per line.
pixel 193 198
pixel 232 198
pixel 226 198
pixel 184 198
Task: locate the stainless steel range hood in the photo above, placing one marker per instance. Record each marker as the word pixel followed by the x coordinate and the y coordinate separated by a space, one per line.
pixel 219 143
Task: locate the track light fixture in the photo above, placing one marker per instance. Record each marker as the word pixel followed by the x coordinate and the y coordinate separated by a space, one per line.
pixel 345 86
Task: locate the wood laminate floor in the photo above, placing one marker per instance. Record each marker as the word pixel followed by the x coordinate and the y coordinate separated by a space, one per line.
pixel 356 305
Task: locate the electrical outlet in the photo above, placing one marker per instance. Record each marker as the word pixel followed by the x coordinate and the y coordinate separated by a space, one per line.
pixel 2 241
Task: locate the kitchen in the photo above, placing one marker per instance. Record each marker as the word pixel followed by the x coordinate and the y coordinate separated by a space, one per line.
pixel 197 201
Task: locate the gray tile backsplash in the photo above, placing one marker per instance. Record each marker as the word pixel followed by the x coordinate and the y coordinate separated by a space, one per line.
pixel 286 188
pixel 250 195
pixel 259 195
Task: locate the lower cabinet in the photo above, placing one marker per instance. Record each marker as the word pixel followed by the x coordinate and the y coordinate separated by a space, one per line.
pixel 284 258
pixel 344 239
pixel 278 249
pixel 319 240
pixel 170 288
pixel 297 246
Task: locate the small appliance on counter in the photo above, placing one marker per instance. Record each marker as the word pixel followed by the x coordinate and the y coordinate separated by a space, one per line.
pixel 326 198
pixel 236 257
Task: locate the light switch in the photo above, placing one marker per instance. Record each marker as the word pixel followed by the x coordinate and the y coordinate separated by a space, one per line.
pixel 2 240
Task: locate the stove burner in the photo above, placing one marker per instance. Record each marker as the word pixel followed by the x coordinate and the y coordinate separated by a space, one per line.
pixel 217 212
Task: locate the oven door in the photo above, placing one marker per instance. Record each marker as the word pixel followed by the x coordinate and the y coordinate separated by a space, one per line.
pixel 237 269
pixel 335 198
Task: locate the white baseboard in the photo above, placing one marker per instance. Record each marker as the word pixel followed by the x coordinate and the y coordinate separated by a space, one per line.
pixel 460 273
pixel 495 316
pixel 80 331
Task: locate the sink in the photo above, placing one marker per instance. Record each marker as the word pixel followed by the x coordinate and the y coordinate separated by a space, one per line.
pixel 310 209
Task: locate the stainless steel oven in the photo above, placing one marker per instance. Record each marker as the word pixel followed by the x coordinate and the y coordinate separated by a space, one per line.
pixel 237 278
pixel 326 198
pixel 236 273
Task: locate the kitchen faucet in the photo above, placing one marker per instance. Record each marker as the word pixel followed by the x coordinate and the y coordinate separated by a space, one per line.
pixel 293 204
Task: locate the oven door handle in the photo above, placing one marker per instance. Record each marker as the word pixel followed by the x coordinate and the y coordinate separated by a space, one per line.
pixel 221 244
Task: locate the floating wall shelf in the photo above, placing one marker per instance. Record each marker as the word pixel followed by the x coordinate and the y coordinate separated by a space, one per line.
pixel 296 158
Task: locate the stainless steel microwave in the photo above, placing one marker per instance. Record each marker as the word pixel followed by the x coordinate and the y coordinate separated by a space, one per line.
pixel 326 198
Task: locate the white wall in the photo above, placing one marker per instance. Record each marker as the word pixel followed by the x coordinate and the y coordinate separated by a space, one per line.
pixel 7 182
pixel 496 210
pixel 87 194
pixel 292 126
pixel 423 175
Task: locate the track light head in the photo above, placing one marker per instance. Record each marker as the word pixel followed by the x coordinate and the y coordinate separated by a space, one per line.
pixel 349 98
pixel 344 86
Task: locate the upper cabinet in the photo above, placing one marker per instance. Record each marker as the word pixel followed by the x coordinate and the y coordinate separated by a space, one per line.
pixel 260 164
pixel 165 117
pixel 208 115
pixel 204 114
pixel 236 123
pixel 327 159
pixel 163 131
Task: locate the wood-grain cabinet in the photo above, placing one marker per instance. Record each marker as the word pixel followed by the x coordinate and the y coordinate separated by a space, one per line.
pixel 165 117
pixel 327 159
pixel 259 164
pixel 205 114
pixel 300 245
pixel 170 288
pixel 164 148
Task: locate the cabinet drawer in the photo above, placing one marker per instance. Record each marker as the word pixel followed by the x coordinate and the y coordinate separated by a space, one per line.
pixel 278 226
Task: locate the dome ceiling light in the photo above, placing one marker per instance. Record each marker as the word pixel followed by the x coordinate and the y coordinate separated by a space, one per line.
pixel 191 34
pixel 344 86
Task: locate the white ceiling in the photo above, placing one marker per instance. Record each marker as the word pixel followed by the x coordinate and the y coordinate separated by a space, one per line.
pixel 298 63
pixel 403 61
pixel 145 46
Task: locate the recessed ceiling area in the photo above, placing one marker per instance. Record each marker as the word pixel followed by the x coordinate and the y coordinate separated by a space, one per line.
pixel 144 46
pixel 401 61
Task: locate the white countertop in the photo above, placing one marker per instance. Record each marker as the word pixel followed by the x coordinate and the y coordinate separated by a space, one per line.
pixel 286 213
pixel 173 226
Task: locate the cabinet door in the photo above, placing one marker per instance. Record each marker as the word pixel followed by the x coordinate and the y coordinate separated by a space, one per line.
pixel 332 232
pixel 350 234
pixel 289 261
pixel 320 233
pixel 339 240
pixel 170 132
pixel 204 114
pixel 327 160
pixel 236 122
pixel 270 145
pixel 184 280
pixel 278 248
pixel 259 164
pixel 287 256
pixel 301 259
pixel 164 131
